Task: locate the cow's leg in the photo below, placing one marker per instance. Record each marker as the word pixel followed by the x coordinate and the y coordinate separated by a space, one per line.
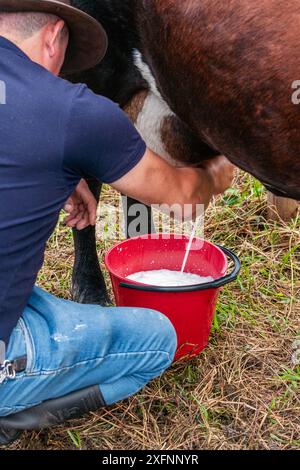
pixel 138 218
pixel 280 208
pixel 88 285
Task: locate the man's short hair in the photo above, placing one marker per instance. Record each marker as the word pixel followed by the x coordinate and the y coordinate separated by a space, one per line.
pixel 24 25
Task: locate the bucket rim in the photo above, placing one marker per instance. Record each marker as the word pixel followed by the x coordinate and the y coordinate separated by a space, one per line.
pixel 216 284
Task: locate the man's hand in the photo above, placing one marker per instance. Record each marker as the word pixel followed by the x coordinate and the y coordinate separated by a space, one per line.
pixel 81 207
pixel 221 172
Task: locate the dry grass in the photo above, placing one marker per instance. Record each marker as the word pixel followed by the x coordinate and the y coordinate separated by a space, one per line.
pixel 243 391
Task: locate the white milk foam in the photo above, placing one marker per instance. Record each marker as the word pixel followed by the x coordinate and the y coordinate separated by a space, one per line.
pixel 167 278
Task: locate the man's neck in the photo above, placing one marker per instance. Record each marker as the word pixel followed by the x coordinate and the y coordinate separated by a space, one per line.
pixel 29 46
pixel 10 38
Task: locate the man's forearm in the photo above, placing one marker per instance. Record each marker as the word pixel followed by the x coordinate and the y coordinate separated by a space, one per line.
pixel 184 188
pixel 174 187
pixel 154 181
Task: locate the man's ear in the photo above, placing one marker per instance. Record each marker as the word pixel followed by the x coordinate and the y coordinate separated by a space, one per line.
pixel 52 36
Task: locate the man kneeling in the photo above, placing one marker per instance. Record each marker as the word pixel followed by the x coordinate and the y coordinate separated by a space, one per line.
pixel 63 359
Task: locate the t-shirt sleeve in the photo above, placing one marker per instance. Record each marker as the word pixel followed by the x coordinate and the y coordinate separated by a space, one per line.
pixel 100 140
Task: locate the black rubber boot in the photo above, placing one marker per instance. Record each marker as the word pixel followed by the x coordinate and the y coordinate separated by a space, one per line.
pixel 8 436
pixel 51 413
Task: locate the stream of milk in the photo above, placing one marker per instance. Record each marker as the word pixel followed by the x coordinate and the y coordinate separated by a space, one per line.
pixel 187 252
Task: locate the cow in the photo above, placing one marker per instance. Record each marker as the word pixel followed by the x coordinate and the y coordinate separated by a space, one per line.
pixel 199 79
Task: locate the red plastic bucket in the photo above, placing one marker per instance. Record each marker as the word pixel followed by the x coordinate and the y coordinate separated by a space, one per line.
pixel 190 308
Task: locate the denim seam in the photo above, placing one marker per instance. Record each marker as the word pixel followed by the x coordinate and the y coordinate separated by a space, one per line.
pixel 30 348
pixel 96 359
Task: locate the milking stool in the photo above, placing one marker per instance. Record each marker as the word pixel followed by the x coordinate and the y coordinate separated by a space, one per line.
pixel 50 413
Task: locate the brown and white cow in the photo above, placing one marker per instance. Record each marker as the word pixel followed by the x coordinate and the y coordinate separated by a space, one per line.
pixel 201 78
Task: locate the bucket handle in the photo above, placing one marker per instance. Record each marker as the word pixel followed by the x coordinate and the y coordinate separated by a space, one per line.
pixel 222 281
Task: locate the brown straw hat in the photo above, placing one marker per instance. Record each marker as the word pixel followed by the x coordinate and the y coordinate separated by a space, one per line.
pixel 88 40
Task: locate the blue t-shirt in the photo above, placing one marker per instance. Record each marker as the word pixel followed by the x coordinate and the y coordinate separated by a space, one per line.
pixel 52 133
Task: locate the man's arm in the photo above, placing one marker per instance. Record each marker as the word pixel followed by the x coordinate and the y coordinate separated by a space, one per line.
pixel 154 181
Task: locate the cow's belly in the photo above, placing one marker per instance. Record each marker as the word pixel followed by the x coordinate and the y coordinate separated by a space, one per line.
pixel 227 71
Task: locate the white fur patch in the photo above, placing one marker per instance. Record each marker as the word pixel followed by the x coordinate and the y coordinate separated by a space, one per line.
pixel 155 110
pixel 146 73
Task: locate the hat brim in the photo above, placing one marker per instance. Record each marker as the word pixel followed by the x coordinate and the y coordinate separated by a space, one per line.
pixel 88 40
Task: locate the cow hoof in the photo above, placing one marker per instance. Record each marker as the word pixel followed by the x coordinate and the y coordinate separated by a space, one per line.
pixel 8 436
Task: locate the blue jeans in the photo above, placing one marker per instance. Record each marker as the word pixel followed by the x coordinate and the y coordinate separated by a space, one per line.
pixel 70 346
